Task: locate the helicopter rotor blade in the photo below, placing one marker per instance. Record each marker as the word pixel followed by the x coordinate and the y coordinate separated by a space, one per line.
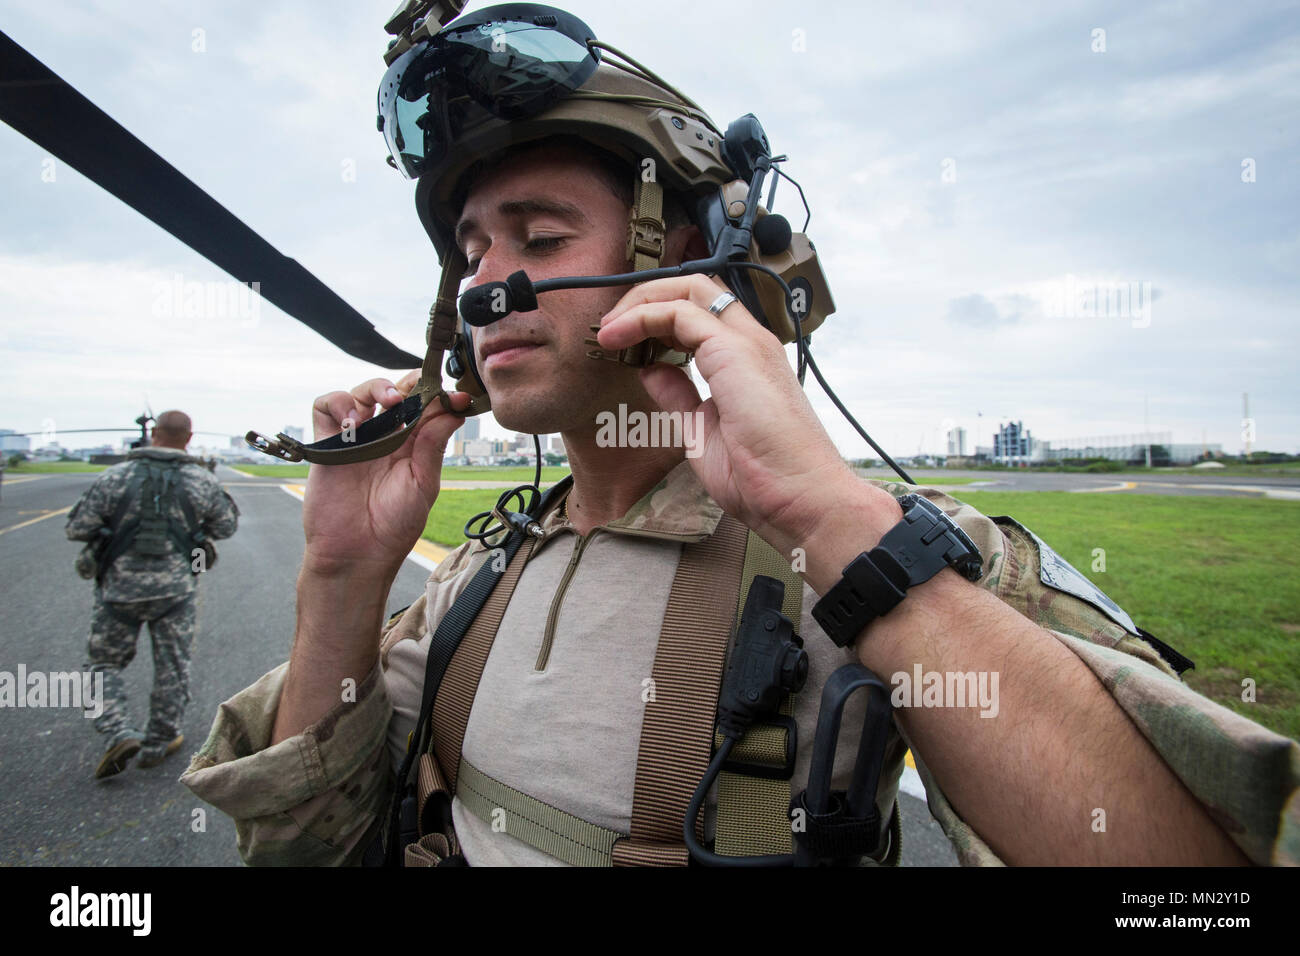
pixel 47 110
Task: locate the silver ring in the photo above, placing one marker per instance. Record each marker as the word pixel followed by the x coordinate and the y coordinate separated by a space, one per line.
pixel 721 302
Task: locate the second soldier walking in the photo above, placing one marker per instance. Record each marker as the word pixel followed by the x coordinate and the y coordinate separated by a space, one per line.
pixel 150 522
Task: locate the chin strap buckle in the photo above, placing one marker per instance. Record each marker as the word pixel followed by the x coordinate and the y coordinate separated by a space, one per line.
pixel 641 355
pixel 283 448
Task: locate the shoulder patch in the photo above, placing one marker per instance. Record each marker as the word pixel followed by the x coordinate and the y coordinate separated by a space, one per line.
pixel 1056 572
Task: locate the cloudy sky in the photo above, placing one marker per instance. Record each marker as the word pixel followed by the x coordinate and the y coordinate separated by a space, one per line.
pixel 977 172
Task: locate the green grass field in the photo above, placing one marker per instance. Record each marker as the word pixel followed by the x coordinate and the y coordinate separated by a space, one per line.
pixel 1216 578
pixel 51 467
pixel 446 523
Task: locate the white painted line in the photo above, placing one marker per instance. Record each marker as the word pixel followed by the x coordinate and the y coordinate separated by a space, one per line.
pixel 421 560
pixel 1124 486
pixel 911 783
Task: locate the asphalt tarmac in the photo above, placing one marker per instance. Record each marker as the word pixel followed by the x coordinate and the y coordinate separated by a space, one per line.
pixel 52 810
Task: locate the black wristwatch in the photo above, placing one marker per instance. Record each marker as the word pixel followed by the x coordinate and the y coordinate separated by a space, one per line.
pixel 911 553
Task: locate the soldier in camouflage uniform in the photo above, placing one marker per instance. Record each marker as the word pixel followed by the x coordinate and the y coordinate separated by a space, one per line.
pixel 158 589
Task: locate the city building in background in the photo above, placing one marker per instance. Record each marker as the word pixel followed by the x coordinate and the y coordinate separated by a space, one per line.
pixel 11 442
pixel 1014 445
pixel 957 441
pixel 1133 449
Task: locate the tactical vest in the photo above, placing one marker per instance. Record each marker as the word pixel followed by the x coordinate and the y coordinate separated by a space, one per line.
pixel 678 733
pixel 153 531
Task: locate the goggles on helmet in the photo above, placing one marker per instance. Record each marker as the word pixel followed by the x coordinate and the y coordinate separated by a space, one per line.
pixel 507 62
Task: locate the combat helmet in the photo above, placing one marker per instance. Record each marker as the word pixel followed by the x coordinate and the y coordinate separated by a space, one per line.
pixel 459 90
pixel 462 89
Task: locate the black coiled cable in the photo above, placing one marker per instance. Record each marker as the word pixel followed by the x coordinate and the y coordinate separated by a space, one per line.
pixel 515 520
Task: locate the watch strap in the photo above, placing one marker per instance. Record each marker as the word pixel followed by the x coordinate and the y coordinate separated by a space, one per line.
pixel 921 545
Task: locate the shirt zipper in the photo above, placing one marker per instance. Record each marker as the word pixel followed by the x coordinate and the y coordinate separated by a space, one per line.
pixel 548 638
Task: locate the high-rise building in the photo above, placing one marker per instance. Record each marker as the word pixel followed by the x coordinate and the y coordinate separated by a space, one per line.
pixel 293 432
pixel 1011 443
pixel 956 441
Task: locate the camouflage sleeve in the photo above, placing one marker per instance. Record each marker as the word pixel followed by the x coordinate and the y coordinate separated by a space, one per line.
pixel 93 509
pixel 311 800
pixel 1245 776
pixel 219 514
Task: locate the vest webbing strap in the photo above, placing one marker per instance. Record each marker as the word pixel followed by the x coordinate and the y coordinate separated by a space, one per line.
pixel 677 730
pixel 554 832
pixel 460 683
pixel 754 812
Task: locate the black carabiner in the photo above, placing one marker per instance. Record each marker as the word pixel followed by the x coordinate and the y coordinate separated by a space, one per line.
pixel 842 826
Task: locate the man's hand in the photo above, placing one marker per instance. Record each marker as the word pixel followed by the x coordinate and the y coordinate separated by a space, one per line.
pixel 763 455
pixel 361 520
pixel 364 518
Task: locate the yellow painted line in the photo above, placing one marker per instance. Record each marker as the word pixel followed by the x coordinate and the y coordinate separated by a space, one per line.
pixel 907 758
pixel 425 549
pixel 24 524
pixel 430 550
pixel 21 478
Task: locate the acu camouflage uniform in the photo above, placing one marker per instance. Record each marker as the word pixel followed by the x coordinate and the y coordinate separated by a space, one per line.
pixel 320 796
pixel 161 591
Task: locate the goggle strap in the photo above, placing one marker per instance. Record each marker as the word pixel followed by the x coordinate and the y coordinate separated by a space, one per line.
pixel 646 72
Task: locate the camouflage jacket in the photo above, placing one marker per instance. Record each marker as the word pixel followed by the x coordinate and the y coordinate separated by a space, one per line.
pixel 319 797
pixel 137 577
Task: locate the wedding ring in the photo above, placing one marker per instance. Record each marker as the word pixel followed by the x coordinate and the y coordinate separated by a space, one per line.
pixel 721 302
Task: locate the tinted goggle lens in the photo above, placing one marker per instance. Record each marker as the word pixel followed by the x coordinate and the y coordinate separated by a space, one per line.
pixel 506 69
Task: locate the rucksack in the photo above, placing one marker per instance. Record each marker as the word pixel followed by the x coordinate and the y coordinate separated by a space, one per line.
pixel 154 531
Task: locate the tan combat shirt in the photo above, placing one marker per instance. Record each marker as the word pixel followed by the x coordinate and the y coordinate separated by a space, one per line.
pixel 558 711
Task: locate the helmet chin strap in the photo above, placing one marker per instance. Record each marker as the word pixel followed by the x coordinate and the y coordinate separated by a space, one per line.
pixel 646 233
pixel 386 432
